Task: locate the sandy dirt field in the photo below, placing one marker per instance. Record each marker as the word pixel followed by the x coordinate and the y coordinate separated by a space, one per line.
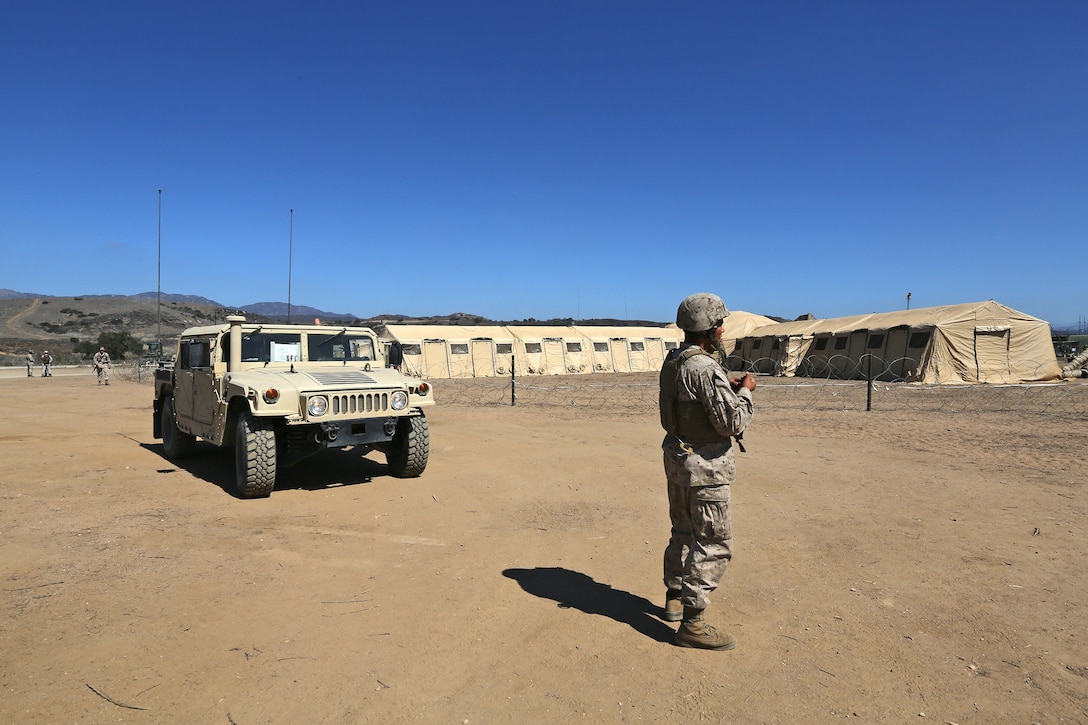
pixel 902 568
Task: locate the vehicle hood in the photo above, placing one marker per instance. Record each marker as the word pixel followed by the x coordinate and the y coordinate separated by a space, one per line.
pixel 330 378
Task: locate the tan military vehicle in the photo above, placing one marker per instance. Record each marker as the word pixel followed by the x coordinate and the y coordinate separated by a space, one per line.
pixel 280 393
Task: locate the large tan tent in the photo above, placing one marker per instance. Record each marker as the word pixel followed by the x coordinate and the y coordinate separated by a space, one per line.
pixel 453 351
pixel 737 327
pixel 466 351
pixel 976 342
pixel 550 350
pixel 630 349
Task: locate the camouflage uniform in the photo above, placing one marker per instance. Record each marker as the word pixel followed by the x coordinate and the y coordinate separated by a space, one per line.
pixel 102 366
pixel 702 413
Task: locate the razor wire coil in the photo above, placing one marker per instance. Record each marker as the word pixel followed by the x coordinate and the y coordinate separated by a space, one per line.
pixel 638 392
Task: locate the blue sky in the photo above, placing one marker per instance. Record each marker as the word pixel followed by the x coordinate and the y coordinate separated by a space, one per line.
pixel 552 159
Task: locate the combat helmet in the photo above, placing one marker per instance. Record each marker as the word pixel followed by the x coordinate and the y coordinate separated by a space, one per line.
pixel 700 312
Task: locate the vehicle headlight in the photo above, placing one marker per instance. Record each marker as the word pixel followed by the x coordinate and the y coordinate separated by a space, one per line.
pixel 317 405
pixel 398 400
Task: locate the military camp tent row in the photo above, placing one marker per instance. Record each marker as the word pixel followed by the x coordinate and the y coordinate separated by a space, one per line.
pixel 983 342
pixel 467 351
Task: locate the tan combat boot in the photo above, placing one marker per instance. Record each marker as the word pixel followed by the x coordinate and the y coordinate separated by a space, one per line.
pixel 695 632
pixel 674 610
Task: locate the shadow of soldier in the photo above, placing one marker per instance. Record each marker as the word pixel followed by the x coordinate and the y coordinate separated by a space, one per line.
pixel 574 590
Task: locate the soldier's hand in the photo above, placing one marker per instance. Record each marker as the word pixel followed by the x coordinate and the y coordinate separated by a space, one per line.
pixel 747 381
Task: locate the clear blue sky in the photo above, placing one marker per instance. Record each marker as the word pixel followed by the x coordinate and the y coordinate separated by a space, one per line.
pixel 549 159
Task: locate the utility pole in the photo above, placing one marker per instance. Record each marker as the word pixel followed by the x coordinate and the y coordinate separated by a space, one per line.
pixel 158 294
pixel 290 253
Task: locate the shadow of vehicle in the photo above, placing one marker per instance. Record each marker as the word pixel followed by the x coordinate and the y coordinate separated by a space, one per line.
pixel 574 590
pixel 328 469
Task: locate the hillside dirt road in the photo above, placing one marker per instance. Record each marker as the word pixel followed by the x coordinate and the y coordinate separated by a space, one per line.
pixel 889 568
pixel 16 327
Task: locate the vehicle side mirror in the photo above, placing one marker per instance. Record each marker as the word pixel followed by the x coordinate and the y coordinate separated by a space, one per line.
pixel 395 356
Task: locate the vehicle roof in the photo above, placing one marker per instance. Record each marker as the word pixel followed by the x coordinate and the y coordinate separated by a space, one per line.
pixel 277 327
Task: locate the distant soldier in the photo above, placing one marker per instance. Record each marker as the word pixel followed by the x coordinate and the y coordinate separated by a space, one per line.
pixel 102 365
pixel 47 364
pixel 30 363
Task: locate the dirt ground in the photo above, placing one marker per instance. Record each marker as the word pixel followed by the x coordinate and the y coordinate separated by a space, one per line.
pixel 889 568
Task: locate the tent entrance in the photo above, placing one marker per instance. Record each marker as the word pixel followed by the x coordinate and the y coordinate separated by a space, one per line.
pixel 483 358
pixel 435 362
pixel 553 362
pixel 621 356
pixel 992 353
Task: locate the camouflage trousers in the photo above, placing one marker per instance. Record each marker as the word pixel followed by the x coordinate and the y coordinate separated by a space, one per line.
pixel 701 542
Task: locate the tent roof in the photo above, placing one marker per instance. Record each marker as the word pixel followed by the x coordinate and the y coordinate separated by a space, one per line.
pixel 447 332
pixel 921 317
pixel 600 332
pixel 737 325
pixel 539 332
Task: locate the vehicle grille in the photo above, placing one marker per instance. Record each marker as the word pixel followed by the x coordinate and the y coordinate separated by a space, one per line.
pixel 352 403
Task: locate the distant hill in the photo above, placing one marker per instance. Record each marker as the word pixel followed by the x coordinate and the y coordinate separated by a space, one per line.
pixel 298 313
pixel 32 321
pixel 10 294
pixel 184 299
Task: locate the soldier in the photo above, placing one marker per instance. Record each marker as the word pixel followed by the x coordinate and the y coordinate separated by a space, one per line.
pixel 702 410
pixel 102 365
pixel 47 364
pixel 30 363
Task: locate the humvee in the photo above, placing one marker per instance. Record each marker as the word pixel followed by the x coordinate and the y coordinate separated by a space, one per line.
pixel 280 393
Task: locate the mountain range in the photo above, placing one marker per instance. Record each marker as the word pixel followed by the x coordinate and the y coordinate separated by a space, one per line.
pixel 64 321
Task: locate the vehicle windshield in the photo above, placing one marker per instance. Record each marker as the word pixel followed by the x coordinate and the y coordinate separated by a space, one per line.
pixel 342 347
pixel 267 347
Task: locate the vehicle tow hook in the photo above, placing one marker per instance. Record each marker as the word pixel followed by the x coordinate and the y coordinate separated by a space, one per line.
pixel 330 430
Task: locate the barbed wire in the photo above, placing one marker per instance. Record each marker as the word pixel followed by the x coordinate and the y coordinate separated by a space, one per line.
pixel 138 371
pixel 639 392
pixel 898 370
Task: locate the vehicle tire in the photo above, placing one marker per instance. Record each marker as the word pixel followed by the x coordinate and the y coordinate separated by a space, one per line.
pixel 255 457
pixel 411 447
pixel 175 444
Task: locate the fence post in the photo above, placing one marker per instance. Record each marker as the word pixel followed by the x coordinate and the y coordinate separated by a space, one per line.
pixel 869 383
pixel 513 383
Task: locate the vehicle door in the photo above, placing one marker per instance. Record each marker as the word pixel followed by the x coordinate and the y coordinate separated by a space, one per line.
pixel 183 386
pixel 194 395
pixel 205 395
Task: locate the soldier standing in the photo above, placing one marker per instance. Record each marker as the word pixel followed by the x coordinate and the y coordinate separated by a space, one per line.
pixel 102 365
pixel 30 363
pixel 47 364
pixel 702 410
